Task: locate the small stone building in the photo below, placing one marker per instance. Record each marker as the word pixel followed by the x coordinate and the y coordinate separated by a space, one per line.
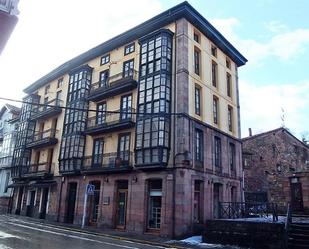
pixel 276 169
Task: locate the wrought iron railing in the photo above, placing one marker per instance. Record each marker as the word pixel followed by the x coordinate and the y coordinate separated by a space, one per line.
pixel 235 210
pixel 41 135
pixel 114 80
pixel 114 160
pixel 116 117
pixel 38 168
pixel 41 108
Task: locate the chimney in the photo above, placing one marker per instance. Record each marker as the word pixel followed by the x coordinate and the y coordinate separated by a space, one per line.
pixel 250 132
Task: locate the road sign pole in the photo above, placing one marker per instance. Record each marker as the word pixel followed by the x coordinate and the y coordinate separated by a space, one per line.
pixel 85 206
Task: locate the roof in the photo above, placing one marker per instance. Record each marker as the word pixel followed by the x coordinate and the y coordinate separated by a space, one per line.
pixel 181 10
pixel 282 129
pixel 11 108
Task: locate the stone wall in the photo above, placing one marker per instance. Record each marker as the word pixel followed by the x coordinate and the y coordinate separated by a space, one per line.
pixel 245 233
pixel 270 161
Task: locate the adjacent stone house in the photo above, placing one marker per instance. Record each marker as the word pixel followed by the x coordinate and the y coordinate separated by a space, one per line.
pixel 276 169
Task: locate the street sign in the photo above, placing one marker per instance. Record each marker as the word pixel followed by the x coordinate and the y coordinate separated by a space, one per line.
pixel 90 189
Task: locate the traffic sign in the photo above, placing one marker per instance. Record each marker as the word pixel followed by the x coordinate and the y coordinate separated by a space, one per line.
pixel 90 189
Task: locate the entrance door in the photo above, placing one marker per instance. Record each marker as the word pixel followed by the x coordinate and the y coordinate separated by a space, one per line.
pixel 121 205
pixel 296 196
pixel 94 201
pixel 216 200
pixel 71 202
pixel 20 196
pixel 44 203
pixel 30 207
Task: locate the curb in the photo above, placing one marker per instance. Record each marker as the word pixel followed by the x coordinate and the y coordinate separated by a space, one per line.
pixel 140 241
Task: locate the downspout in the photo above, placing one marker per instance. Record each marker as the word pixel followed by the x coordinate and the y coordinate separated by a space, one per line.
pixel 174 138
pixel 60 197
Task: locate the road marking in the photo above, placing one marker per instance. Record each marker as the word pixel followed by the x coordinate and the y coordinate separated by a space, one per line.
pixel 87 234
pixel 4 235
pixel 77 237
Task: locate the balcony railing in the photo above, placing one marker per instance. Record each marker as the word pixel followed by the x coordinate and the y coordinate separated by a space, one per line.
pixel 37 170
pixel 108 162
pixel 43 138
pixel 121 119
pixel 48 109
pixel 113 85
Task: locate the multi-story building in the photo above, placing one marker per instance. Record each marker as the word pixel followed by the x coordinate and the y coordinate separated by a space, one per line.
pixel 8 20
pixel 150 118
pixel 8 126
pixel 276 169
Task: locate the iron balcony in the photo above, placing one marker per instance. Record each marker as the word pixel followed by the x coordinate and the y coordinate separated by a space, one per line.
pixel 114 85
pixel 38 170
pixel 121 119
pixel 43 138
pixel 47 110
pixel 108 162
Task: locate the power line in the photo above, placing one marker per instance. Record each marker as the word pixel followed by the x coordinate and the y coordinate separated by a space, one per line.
pixel 92 110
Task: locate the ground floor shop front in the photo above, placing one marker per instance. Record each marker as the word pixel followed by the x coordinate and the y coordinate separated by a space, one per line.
pixel 170 203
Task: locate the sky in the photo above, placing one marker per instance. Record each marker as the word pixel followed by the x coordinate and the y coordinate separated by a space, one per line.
pixel 272 34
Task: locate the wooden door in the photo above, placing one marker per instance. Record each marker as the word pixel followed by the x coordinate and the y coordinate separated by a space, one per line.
pixel 296 196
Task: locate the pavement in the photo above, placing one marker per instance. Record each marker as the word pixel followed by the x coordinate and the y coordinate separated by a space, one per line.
pixel 19 232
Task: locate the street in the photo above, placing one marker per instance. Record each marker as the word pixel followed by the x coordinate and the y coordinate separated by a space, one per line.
pixel 20 234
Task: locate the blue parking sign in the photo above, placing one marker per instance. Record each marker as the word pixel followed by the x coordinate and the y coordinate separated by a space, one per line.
pixel 90 189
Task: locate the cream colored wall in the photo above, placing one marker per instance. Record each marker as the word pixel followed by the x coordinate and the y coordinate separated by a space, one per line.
pixel 48 122
pixel 204 81
pixel 115 66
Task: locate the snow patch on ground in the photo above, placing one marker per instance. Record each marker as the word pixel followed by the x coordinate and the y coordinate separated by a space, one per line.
pixel 268 219
pixel 197 241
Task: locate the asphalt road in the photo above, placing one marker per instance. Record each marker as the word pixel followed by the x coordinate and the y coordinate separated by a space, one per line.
pixel 20 234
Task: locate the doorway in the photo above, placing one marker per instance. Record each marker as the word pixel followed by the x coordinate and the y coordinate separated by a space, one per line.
pixel 30 206
pixel 121 204
pixel 71 202
pixel 20 196
pixel 217 198
pixel 154 205
pixel 45 192
pixel 94 201
pixel 296 195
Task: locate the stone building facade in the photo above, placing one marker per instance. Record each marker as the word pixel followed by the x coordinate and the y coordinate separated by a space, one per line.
pixel 276 169
pixel 150 118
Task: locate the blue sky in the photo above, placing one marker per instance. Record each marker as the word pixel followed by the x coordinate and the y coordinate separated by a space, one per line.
pixel 272 34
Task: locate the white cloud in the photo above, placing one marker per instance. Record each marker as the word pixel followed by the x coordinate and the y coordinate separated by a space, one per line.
pixel 276 26
pixel 261 106
pixel 284 45
pixel 51 32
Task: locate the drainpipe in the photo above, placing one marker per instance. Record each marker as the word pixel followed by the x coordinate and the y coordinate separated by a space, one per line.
pixel 174 138
pixel 60 197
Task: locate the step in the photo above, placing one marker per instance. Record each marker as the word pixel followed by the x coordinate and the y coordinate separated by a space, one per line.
pixel 292 241
pixel 294 246
pixel 299 236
